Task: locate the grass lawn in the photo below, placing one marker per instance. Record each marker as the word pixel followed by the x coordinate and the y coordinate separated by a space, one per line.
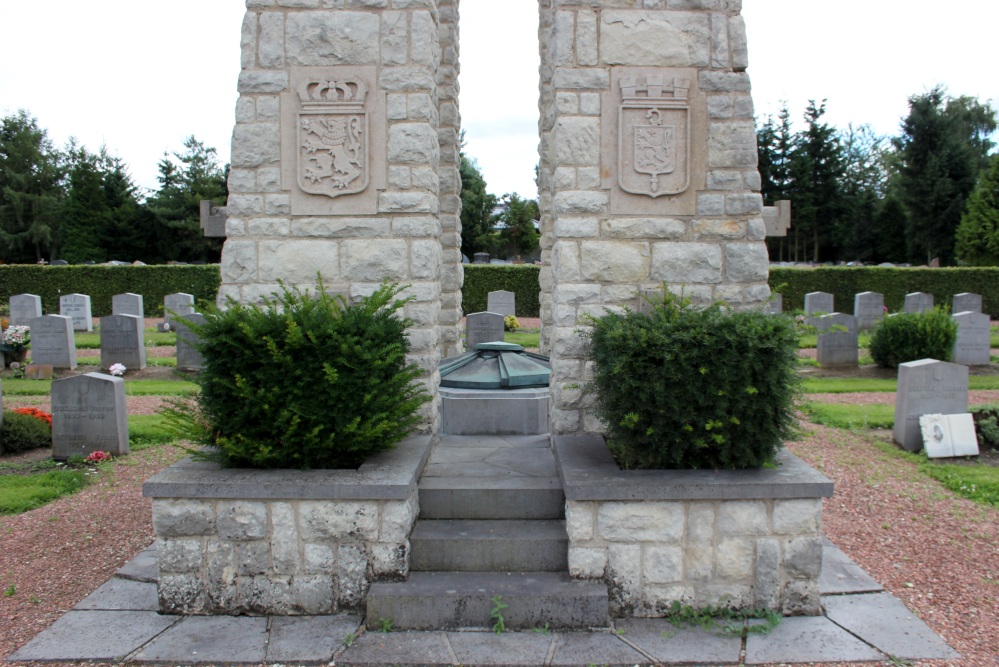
pixel 92 340
pixel 21 493
pixel 525 337
pixel 177 387
pixel 850 416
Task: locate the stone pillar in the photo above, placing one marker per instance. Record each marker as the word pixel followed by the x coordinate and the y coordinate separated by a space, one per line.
pixel 648 170
pixel 336 159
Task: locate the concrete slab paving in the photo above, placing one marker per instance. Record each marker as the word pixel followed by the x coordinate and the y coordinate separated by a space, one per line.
pixel 199 639
pixel 807 639
pixel 506 650
pixel 495 441
pixel 101 636
pixel 883 621
pixel 595 648
pixel 670 644
pixel 840 575
pixel 310 638
pixel 141 568
pixel 403 649
pixel 118 594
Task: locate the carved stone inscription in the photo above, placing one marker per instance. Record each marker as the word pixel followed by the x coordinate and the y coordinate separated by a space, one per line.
pixel 333 137
pixel 654 135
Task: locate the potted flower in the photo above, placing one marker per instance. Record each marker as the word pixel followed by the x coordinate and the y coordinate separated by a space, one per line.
pixel 14 343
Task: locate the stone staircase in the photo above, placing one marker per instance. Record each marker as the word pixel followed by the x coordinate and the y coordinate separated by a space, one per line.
pixel 491 524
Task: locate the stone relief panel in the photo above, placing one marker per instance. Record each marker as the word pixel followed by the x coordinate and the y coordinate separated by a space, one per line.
pixel 333 141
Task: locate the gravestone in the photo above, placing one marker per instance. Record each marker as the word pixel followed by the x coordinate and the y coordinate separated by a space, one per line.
pixel 965 302
pixel 24 308
pixel 647 299
pixel 89 415
pixel 483 328
pixel 127 304
pixel 927 387
pixel 973 344
pixel 188 356
pixel 869 309
pixel 918 302
pixel 39 372
pixel 502 302
pixel 52 341
pixel 818 303
pixel 775 306
pixel 837 348
pixel 947 436
pixel 77 306
pixel 177 305
pixel 123 341
pixel 481 258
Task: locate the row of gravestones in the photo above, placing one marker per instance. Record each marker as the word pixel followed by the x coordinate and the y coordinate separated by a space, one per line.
pixel 27 307
pixel 869 307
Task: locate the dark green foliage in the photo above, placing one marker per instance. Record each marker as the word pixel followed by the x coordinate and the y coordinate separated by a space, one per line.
pixel 19 433
pixel 684 387
pixel 987 425
pixel 306 381
pixel 476 208
pixel 913 336
pixel 521 279
pixel 519 234
pixel 103 282
pixel 978 233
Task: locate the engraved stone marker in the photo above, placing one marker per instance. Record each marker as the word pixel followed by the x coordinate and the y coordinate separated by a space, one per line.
pixel 775 306
pixel 127 304
pixel 966 301
pixel 188 356
pixel 502 302
pixel 89 415
pixel 483 328
pixel 77 306
pixel 927 387
pixel 869 309
pixel 123 342
pixel 52 341
pixel 24 308
pixel 918 302
pixel 818 303
pixel 837 348
pixel 177 305
pixel 946 436
pixel 973 344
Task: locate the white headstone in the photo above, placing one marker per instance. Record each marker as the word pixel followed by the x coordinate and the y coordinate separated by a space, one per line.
pixel 77 306
pixel 973 344
pixel 918 302
pixel 502 302
pixel 927 387
pixel 946 436
pixel 127 304
pixel 24 308
pixel 89 415
pixel 966 301
pixel 483 328
pixel 177 305
pixel 869 309
pixel 123 341
pixel 52 341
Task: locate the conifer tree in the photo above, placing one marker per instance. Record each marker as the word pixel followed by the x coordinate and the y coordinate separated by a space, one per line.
pixel 978 232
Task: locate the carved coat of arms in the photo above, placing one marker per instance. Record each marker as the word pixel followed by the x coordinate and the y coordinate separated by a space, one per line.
pixel 333 138
pixel 653 141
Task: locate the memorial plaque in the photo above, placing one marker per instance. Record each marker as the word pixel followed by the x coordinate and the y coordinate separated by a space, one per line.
pixel 52 341
pixel 482 328
pixel 77 306
pixel 947 436
pixel 188 356
pixel 927 387
pixel 24 308
pixel 127 304
pixel 973 344
pixel 502 302
pixel 123 342
pixel 966 302
pixel 89 415
pixel 869 309
pixel 177 305
pixel 918 302
pixel 837 344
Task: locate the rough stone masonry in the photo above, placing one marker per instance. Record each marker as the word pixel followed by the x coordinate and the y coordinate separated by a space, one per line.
pixel 345 163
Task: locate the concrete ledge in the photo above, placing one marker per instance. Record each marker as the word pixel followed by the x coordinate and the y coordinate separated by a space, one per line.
pixel 494 411
pixel 589 472
pixel 390 475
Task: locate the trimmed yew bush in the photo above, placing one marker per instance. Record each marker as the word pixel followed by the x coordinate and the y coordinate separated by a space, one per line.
pixel 686 387
pixel 913 336
pixel 21 432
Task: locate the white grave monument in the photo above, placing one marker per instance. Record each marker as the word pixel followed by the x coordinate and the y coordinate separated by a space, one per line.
pixel 927 387
pixel 947 436
pixel 77 306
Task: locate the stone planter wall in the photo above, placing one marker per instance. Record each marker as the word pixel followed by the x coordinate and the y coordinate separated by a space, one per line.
pixel 741 539
pixel 283 542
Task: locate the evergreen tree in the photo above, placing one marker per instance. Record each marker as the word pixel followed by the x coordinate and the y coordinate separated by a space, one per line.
pixel 865 177
pixel 775 142
pixel 517 221
pixel 978 232
pixel 476 208
pixel 816 170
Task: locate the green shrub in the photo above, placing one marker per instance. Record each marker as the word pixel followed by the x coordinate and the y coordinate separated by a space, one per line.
pixel 684 387
pixel 20 433
pixel 912 336
pixel 986 425
pixel 306 381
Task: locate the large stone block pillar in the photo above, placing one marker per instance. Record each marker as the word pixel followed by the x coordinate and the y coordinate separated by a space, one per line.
pixel 341 161
pixel 648 169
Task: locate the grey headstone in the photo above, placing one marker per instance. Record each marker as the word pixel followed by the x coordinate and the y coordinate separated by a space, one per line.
pixel 869 309
pixel 177 305
pixel 973 344
pixel 918 302
pixel 502 302
pixel 775 306
pixel 483 328
pixel 837 348
pixel 89 415
pixel 826 322
pixel 58 262
pixel 818 303
pixel 24 308
pixel 123 342
pixel 927 387
pixel 52 341
pixel 127 304
pixel 77 306
pixel 481 258
pixel 647 298
pixel 966 301
pixel 188 357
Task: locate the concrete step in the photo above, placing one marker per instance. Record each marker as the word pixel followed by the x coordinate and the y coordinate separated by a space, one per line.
pixel 451 600
pixel 491 498
pixel 484 546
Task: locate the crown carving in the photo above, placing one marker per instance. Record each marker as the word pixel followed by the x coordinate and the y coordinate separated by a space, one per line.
pixel 343 92
pixel 654 87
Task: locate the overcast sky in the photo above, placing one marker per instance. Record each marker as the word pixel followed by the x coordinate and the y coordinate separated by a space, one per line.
pixel 140 76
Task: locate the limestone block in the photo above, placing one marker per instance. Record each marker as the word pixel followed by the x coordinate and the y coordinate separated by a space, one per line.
pixel 588 178
pixel 641 521
pixel 401 79
pixel 749 295
pixel 317 558
pixel 658 601
pixel 269 108
pixel 577 141
pixel 241 520
pixel 685 263
pixel 732 145
pixel 744 108
pixel 397 519
pixel 332 38
pixel 268 227
pixel 719 41
pixel 803 557
pixel 252 558
pixel 564 421
pixel 587 563
pixel 580 201
pixel 581 78
pixel 734 596
pixel 407 202
pixel 579 521
pixel 312 595
pixel 735 557
pixel 662 565
pixel 284 538
pixel 801 516
pixel 297 261
pixel 396 106
pixel 338 520
pixel 425 46
pixel 586 38
pixel 180 594
pixel 270 44
pixel 699 560
pixel 390 561
pixel 277 205
pixel 262 81
pixel 182 518
pixel 559 43
pixel 565 261
pixel 662 39
pixel 738 43
pixel 643 228
pixel 747 262
pixel 614 262
pixel 340 227
pixel 178 555
pixel 624 578
pixel 426 260
pixel 576 227
pixel 427 178
pixel 248 41
pixel 265 595
pixel 421 106
pixel 246 110
pixel 710 204
pixel 742 517
pixel 723 82
pixel 743 204
pixel 351 570
pixel 801 598
pixel 767 578
pixel 576 295
pixel 756 230
pixel 700 522
pixel 395 38
pixel 724 180
pixel 589 104
pixel 242 180
pixel 413 143
pixel 718 230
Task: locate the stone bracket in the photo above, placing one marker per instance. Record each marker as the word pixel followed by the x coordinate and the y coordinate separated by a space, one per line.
pixel 213 219
pixel 777 218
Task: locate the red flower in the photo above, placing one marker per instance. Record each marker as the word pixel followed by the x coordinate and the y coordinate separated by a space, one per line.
pixel 36 413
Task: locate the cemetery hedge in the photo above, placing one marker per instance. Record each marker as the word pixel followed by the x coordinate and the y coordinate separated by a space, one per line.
pixel 101 282
pixel 521 279
pixel 894 283
pixel 21 432
pixel 909 337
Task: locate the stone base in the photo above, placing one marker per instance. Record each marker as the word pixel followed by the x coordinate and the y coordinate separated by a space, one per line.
pixel 494 412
